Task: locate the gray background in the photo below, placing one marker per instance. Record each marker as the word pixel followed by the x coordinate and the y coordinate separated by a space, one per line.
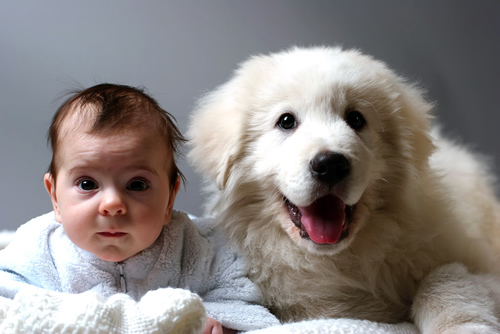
pixel 181 49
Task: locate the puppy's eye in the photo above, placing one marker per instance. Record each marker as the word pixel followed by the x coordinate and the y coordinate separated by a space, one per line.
pixel 355 120
pixel 287 121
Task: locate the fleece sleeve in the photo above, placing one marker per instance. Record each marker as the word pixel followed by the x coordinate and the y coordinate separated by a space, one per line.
pixel 234 299
pixel 27 259
pixel 11 283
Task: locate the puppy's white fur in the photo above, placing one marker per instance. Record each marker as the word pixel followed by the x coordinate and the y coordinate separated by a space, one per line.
pixel 425 228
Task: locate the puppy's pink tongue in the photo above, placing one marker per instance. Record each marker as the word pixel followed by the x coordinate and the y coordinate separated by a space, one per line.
pixel 324 219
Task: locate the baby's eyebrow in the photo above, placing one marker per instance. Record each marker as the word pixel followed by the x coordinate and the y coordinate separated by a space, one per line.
pixel 144 168
pixel 91 167
pixel 79 168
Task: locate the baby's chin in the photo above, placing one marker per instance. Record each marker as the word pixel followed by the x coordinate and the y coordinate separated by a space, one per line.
pixel 113 256
pixel 117 259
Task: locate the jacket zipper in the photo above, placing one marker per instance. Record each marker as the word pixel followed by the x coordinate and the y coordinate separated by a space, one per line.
pixel 121 270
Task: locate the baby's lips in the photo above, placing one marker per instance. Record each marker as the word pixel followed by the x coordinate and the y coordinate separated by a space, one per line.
pixel 112 234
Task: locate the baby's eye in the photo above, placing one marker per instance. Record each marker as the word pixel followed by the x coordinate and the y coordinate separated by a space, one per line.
pixel 138 185
pixel 87 184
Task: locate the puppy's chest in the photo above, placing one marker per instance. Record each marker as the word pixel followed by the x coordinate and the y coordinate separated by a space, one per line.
pixel 296 296
pixel 340 304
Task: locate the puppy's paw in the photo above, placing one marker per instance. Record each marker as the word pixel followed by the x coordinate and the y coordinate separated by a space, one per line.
pixel 451 300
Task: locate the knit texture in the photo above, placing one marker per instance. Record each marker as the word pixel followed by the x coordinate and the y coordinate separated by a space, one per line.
pixel 168 310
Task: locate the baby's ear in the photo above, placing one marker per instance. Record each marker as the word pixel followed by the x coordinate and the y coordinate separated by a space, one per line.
pixel 171 200
pixel 50 185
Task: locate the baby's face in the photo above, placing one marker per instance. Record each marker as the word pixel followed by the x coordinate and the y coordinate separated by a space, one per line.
pixel 113 193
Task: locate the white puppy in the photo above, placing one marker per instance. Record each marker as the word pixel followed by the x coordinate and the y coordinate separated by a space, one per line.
pixel 328 179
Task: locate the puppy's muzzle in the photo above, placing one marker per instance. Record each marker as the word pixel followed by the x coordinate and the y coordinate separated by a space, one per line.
pixel 330 167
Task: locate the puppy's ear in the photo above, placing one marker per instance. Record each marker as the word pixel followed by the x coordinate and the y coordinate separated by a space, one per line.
pixel 416 112
pixel 215 132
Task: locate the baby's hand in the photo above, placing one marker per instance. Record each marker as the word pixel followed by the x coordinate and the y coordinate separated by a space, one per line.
pixel 212 326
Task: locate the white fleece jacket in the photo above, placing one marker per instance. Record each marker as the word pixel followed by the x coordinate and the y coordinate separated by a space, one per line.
pixel 184 256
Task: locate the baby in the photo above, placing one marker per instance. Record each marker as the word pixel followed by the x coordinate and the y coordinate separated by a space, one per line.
pixel 113 182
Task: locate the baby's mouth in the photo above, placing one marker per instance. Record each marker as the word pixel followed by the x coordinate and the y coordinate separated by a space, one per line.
pixel 109 234
pixel 325 221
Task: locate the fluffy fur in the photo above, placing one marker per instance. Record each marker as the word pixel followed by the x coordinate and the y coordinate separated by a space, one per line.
pixel 415 219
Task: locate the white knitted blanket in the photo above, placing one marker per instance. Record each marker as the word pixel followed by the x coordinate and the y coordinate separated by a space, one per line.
pixel 167 310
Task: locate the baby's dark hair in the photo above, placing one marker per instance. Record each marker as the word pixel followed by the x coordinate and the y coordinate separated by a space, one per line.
pixel 110 107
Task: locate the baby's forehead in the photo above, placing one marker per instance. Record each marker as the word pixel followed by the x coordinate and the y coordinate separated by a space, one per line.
pixel 130 144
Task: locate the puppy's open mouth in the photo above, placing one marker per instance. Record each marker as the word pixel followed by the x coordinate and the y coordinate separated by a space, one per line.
pixel 325 221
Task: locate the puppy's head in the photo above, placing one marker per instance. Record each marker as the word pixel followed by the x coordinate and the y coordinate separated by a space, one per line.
pixel 318 136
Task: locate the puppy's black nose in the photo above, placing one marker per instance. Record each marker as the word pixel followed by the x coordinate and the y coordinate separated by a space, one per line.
pixel 330 167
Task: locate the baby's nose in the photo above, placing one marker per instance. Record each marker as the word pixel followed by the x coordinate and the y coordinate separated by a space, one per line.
pixel 112 203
